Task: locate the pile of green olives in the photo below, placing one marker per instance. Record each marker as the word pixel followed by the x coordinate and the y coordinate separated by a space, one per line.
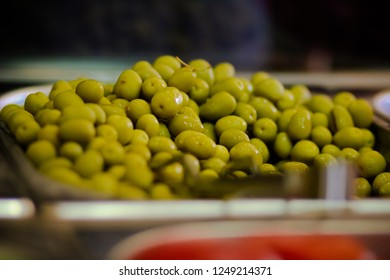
pixel 165 127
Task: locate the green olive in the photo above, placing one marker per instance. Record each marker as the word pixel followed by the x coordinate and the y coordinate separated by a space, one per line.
pixel 130 191
pixel 78 130
pixel 261 147
pixel 118 171
pixel 209 130
pixel 161 143
pixel 217 106
pixel 282 145
pixel 171 174
pixel 168 60
pixel 235 86
pixel 165 71
pixel 61 84
pixel 150 124
pixel 120 102
pixel 265 129
pixel 164 131
pixel 107 131
pixel 100 114
pixel 123 125
pixel 35 102
pixel 55 162
pixel 161 191
pixel 141 64
pixel 70 150
pixel 77 112
pixel 196 143
pixel 151 86
pixel 27 132
pixel 214 163
pixel 110 109
pixel 247 112
pixel 139 136
pixel 67 98
pixel 181 122
pixel 203 70
pixel 232 136
pixel 147 73
pixel 223 70
pixel 141 176
pixel 140 149
pixel 259 76
pixel 228 122
pixel 40 151
pixel 222 152
pixel 183 79
pixel 243 150
pixel 113 153
pixel 128 85
pixel 301 94
pixel 320 102
pixel 264 108
pixel 160 159
pixel 7 109
pixel 89 163
pixel 299 126
pixel 17 118
pixel 104 183
pixel 199 91
pixel 167 102
pixel 63 174
pixel 136 108
pixel 96 143
pixel 90 90
pixel 50 132
pixel 270 88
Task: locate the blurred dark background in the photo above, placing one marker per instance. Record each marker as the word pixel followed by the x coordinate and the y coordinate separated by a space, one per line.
pixel 275 35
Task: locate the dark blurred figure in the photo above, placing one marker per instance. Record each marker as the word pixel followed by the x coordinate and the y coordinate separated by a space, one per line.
pixel 253 34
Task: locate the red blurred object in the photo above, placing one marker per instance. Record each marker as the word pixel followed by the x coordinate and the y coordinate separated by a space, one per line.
pixel 287 247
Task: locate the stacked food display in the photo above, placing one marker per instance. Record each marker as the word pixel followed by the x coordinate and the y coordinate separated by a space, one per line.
pixel 174 141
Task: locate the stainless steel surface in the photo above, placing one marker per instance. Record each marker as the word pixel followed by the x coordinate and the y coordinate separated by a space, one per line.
pixel 146 213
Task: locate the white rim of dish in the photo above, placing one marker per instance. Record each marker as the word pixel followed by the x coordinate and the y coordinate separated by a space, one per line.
pixel 377 103
pixel 18 96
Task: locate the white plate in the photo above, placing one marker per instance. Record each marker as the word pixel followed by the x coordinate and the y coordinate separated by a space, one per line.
pixel 18 96
pixel 381 104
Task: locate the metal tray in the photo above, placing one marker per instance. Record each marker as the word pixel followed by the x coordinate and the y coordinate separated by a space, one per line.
pixel 71 204
pixel 85 225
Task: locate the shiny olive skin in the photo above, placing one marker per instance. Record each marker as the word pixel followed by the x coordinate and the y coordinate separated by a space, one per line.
pixel 196 143
pixel 40 151
pixel 128 85
pixel 89 163
pixel 167 102
pixel 78 130
pixel 90 90
pixel 219 105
